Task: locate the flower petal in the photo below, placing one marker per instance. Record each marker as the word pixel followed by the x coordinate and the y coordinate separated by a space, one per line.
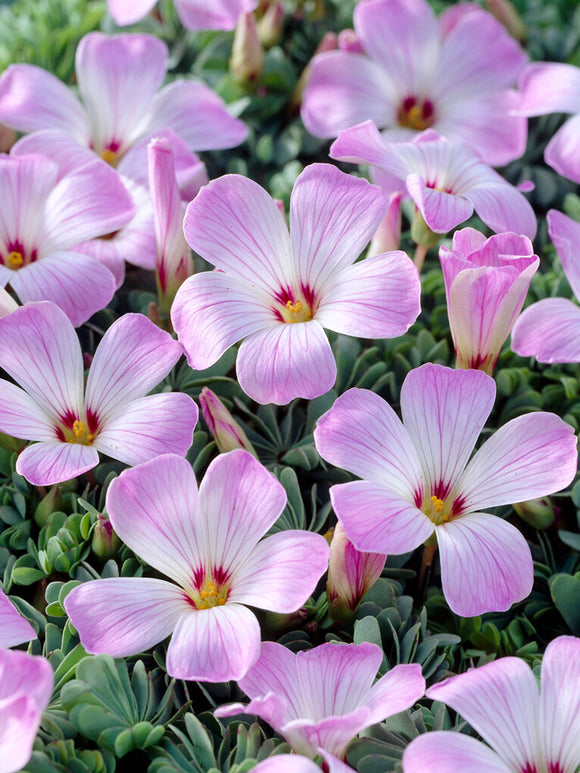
pixel 500 700
pixel 286 361
pixel 332 218
pixel 22 417
pixel 447 752
pixel 503 208
pixel 14 629
pixel 217 15
pixel 531 456
pixel 444 411
pixel 562 151
pixel 67 152
pixel 157 521
pixel 376 298
pixel 45 463
pixel 565 235
pixel 396 691
pixel 547 87
pixel 126 12
pixel 19 723
pixel 548 330
pixel 214 645
pixel 281 572
pixel 486 565
pixel 376 519
pixel 441 210
pixel 132 358
pixel 363 144
pixel 122 616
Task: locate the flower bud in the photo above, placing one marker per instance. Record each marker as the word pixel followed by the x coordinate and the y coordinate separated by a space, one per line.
pixel 247 60
pixel 227 433
pixel 539 513
pixel 506 13
pixel 105 542
pixel 328 43
pixel 388 235
pixel 348 41
pixel 350 575
pixel 49 504
pixel 271 24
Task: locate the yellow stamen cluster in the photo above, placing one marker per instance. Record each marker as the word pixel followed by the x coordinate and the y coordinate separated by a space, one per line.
pixel 14 260
pixel 109 156
pixel 437 510
pixel 296 312
pixel 437 503
pixel 211 596
pixel 413 118
pixel 81 435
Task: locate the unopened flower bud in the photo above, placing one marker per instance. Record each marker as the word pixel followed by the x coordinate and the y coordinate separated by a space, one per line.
pixel 506 13
pixel 271 24
pixel 539 513
pixel 227 433
pixel 247 60
pixel 49 504
pixel 350 575
pixel 105 542
pixel 388 235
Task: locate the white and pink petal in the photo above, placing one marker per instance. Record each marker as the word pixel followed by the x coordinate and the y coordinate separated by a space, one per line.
pixel 443 751
pixel 49 462
pixel 548 330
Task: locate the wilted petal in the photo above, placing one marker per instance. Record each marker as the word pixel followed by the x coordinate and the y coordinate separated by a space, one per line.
pixel 214 645
pixel 548 330
pixel 45 463
pixel 14 629
pixel 122 616
pixel 286 361
pixel 486 565
pixel 447 752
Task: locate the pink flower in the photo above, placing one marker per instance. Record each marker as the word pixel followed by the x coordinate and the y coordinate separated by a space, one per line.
pixel 119 79
pixel 417 480
pixel 207 543
pixel 26 684
pixel 415 73
pixel 321 698
pixel 549 330
pixel 486 281
pixel 548 87
pixel 42 222
pixel 279 291
pixel 529 730
pixel 40 350
pixel 194 14
pixel 294 763
pixel 446 180
pixel 14 629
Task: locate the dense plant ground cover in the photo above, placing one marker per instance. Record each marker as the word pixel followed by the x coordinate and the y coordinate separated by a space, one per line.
pixel 127 713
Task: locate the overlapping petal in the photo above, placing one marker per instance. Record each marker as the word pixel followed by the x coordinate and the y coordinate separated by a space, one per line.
pixel 215 15
pixel 549 87
pixel 548 330
pixel 562 151
pixel 14 629
pixel 126 12
pixel 43 464
pixel 21 416
pixel 445 752
pixel 565 234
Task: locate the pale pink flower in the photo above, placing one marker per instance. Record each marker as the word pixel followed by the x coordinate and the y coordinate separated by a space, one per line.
pixel 549 330
pixel 26 684
pixel 323 697
pixel 418 479
pixel 14 629
pixel 278 291
pixel 40 350
pixel 528 728
pixel 209 544
pixel 452 75
pixel 486 281
pixel 446 180
pixel 549 87
pixel 194 14
pixel 295 763
pixel 43 219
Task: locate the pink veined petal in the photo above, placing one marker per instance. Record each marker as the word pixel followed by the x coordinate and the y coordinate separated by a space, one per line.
pixel 32 98
pixel 386 455
pixel 117 78
pixel 441 210
pixel 126 12
pixel 45 463
pixel 333 216
pixel 217 15
pixel 500 700
pixel 466 241
pixel 159 522
pixel 148 427
pixel 332 733
pixel 375 298
pixel 22 417
pixel 281 572
pixel 344 89
pixel 444 751
pixel 296 763
pixel 531 456
pixel 24 673
pixel 214 645
pixel 396 691
pixel 503 208
pixel 132 358
pixel 66 151
pixel 40 350
pixel 14 629
pixel 559 718
pixel 122 616
pixel 547 87
pixel 486 565
pixel 198 115
pixel 286 361
pixel 234 224
pixel 401 35
pixel 19 723
pixel 239 500
pixel 213 310
pixel 90 201
pixel 565 235
pixel 377 519
pixel 76 283
pixel 562 151
pixel 364 144
pixel 548 330
pixel 444 411
pixel 274 676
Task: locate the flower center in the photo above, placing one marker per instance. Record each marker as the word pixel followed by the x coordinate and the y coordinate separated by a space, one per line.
pixel 209 589
pixel 416 115
pixel 80 434
pixel 14 260
pixel 211 595
pixel 297 311
pixel 109 156
pixel 437 510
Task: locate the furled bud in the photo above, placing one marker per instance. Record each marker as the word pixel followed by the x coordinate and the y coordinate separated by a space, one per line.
pixel 105 542
pixel 227 433
pixel 506 13
pixel 388 235
pixel 247 60
pixel 49 504
pixel 539 513
pixel 350 575
pixel 271 24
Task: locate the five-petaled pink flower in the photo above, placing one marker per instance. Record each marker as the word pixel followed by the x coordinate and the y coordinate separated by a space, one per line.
pixel 194 14
pixel 417 480
pixel 529 730
pixel 415 73
pixel 209 543
pixel 321 698
pixel 40 350
pixel 278 291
